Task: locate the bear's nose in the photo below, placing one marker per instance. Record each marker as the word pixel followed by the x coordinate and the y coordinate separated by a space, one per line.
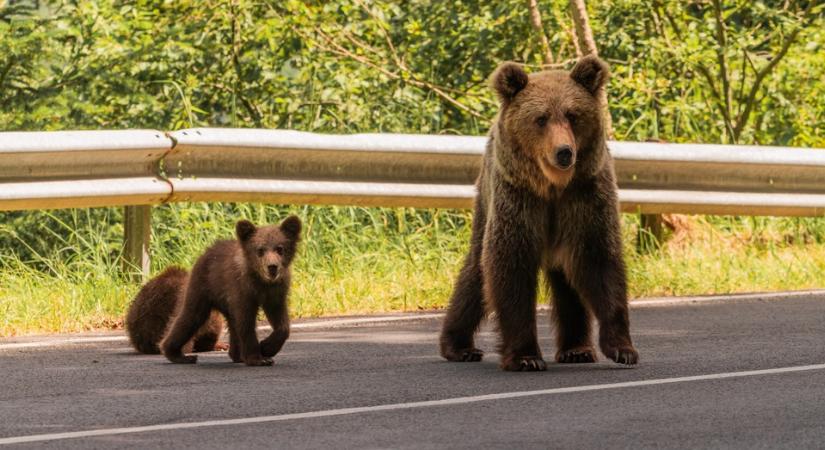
pixel 272 269
pixel 564 156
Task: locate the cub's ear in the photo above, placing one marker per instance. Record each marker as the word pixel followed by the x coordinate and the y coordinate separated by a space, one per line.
pixel 244 229
pixel 508 80
pixel 591 73
pixel 291 226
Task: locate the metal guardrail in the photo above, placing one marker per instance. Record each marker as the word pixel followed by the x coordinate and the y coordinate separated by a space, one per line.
pixel 146 167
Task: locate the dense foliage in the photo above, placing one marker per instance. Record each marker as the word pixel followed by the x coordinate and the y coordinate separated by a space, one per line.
pixel 405 66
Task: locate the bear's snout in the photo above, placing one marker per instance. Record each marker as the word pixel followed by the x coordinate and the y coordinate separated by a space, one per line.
pixel 272 270
pixel 564 156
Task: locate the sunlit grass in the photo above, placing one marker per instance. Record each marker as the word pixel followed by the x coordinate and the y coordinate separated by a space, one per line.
pixel 368 260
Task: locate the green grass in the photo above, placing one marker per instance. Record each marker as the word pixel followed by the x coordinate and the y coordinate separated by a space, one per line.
pixel 59 270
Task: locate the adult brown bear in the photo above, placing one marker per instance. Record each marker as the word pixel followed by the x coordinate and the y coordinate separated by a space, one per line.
pixel 546 201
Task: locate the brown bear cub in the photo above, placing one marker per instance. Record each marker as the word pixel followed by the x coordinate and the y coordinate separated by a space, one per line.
pixel 235 278
pixel 547 200
pixel 153 308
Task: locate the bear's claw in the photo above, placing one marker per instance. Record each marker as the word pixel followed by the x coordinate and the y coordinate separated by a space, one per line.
pixel 464 355
pixel 625 355
pixel 525 364
pixel 576 356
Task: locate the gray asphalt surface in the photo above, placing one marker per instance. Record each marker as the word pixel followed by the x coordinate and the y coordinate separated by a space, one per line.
pixel 105 385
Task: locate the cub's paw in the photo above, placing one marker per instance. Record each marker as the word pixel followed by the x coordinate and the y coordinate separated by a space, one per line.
pixel 464 355
pixel 183 359
pixel 221 347
pixel 269 349
pixel 258 361
pixel 524 364
pixel 626 355
pixel 576 355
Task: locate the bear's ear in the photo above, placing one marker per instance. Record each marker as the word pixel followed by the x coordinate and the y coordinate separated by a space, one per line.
pixel 291 226
pixel 244 229
pixel 591 73
pixel 508 80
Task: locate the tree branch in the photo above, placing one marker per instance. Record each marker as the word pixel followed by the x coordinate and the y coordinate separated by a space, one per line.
pixel 721 58
pixel 334 47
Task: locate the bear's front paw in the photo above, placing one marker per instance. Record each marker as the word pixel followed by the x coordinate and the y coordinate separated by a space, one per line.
pixel 576 355
pixel 258 361
pixel 464 355
pixel 269 348
pixel 183 359
pixel 626 355
pixel 523 364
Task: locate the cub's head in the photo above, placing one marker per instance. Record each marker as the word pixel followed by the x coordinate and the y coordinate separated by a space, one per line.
pixel 550 124
pixel 269 250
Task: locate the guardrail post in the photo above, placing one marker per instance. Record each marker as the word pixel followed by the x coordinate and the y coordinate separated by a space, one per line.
pixel 651 232
pixel 137 229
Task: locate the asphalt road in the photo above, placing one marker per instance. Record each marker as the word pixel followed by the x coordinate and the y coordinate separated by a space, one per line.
pixel 730 373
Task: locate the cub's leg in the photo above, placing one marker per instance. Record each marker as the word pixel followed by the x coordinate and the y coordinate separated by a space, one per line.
pixel 466 305
pixel 278 317
pixel 234 345
pixel 242 323
pixel 572 322
pixel 192 316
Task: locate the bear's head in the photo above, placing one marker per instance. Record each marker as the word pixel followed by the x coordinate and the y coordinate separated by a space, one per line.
pixel 550 126
pixel 268 251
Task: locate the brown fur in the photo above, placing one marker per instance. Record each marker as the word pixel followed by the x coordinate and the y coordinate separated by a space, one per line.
pixel 157 302
pixel 236 277
pixel 546 201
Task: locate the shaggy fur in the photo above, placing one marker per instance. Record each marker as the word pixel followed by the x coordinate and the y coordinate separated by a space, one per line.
pixel 546 201
pixel 236 277
pixel 152 309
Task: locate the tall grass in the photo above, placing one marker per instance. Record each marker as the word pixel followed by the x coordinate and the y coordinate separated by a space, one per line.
pixel 61 273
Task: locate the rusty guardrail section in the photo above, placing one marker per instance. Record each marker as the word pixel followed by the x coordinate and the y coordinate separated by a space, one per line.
pixel 147 167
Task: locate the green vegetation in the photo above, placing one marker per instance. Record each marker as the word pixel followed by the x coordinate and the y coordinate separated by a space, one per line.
pixel 695 71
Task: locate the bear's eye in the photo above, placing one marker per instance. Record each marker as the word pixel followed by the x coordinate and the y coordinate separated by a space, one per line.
pixel 261 252
pixel 541 121
pixel 571 117
pixel 279 249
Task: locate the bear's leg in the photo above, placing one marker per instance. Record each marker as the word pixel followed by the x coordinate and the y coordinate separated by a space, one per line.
pixel 243 324
pixel 278 317
pixel 466 305
pixel 193 315
pixel 510 272
pixel 234 346
pixel 600 280
pixel 572 322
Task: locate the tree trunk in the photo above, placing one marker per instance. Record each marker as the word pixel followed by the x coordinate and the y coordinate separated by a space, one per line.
pixel 535 20
pixel 588 47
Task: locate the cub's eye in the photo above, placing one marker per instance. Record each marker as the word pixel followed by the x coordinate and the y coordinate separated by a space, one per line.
pixel 541 121
pixel 279 249
pixel 261 252
pixel 571 117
